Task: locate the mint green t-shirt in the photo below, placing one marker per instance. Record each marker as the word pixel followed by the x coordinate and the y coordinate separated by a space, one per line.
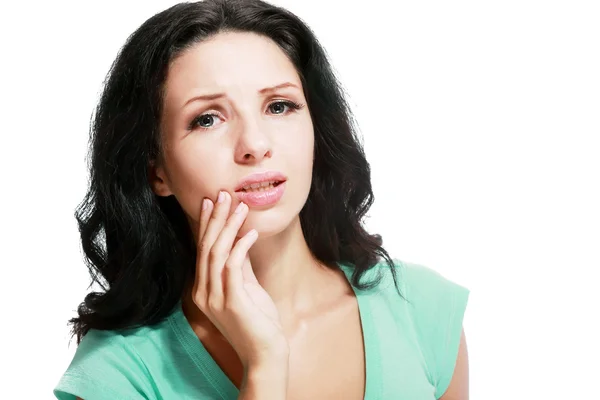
pixel 410 348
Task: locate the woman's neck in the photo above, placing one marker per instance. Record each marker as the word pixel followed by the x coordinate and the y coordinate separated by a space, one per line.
pixel 288 271
pixel 285 267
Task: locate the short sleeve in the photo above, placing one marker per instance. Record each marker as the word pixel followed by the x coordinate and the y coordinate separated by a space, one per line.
pixel 437 307
pixel 103 368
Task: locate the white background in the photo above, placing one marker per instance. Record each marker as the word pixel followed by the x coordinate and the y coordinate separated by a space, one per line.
pixel 481 121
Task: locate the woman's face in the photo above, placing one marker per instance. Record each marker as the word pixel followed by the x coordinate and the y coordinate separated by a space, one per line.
pixel 234 106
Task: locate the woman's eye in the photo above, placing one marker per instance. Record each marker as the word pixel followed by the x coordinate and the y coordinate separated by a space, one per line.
pixel 211 119
pixel 283 107
pixel 277 107
pixel 205 121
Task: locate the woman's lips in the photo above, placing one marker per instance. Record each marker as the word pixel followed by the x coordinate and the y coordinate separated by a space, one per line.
pixel 261 198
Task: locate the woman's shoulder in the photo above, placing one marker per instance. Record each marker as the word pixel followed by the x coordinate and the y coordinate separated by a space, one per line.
pixel 427 294
pixel 432 307
pixel 430 296
pixel 410 278
pixel 112 362
pixel 101 341
pixel 419 278
pixel 405 275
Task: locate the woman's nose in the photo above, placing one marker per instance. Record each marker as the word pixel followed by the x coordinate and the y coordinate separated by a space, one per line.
pixel 253 144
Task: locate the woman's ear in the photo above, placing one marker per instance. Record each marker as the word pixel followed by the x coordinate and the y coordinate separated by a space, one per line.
pixel 158 179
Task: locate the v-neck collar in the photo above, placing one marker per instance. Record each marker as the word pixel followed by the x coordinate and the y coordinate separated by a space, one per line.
pixel 373 373
pixel 223 385
pixel 201 357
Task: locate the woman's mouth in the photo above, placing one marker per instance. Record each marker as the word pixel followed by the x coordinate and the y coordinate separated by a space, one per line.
pixel 261 194
pixel 260 187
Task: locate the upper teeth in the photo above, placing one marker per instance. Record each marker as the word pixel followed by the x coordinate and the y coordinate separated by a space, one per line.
pixel 258 185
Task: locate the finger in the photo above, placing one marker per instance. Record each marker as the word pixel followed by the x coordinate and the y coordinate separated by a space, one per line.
pixel 201 268
pixel 222 247
pixel 211 255
pixel 207 208
pixel 234 279
pixel 217 219
pixel 212 227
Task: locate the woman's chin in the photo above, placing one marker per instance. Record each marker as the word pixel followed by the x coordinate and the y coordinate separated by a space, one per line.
pixel 267 224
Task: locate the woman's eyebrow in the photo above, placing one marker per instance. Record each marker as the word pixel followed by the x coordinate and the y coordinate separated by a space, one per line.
pixel 205 97
pixel 214 96
pixel 280 86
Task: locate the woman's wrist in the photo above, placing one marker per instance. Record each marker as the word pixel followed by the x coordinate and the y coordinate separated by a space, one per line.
pixel 266 380
pixel 276 354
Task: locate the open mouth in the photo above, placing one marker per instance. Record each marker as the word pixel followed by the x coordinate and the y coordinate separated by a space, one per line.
pixel 260 187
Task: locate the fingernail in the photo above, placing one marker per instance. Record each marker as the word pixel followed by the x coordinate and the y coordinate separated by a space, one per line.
pixel 239 208
pixel 253 232
pixel 204 204
pixel 221 197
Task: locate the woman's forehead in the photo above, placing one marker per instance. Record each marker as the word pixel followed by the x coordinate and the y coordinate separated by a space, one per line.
pixel 230 61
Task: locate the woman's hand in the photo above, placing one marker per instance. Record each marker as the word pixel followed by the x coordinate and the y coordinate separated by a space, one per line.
pixel 228 293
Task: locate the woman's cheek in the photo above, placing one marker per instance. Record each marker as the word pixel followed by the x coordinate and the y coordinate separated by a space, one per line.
pixel 191 191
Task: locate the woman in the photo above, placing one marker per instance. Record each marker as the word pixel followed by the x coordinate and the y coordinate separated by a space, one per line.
pixel 223 220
